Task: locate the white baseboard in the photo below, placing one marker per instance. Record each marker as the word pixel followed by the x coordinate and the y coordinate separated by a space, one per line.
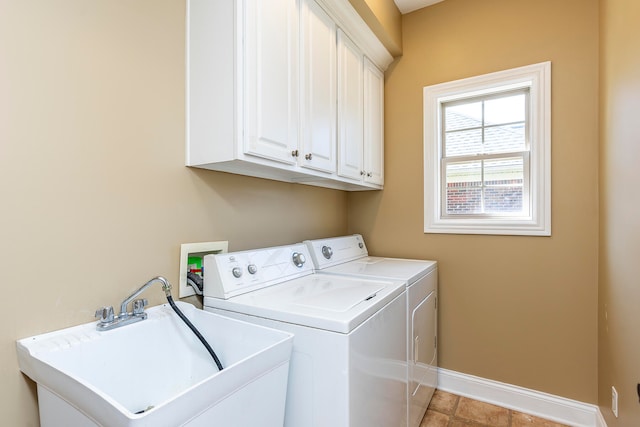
pixel 544 405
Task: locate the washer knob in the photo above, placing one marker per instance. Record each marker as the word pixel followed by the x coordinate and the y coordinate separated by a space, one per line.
pixel 237 272
pixel 360 245
pixel 252 269
pixel 327 252
pixel 298 259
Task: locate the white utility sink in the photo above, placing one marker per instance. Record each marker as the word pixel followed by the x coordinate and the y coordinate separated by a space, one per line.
pixel 156 373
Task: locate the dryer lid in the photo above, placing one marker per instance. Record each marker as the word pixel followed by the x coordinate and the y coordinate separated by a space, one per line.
pixel 408 270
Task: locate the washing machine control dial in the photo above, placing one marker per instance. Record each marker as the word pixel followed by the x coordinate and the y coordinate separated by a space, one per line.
pixel 298 259
pixel 252 269
pixel 237 272
pixel 327 252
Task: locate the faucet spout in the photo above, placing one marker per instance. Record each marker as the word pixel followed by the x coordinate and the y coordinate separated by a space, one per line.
pixel 166 287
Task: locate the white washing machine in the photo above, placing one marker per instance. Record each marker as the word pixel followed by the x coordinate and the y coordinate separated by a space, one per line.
pixel 348 256
pixel 348 364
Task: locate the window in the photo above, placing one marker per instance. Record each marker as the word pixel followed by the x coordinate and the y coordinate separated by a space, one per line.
pixel 488 154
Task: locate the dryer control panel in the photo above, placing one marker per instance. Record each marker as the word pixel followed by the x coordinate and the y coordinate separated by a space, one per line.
pixel 234 273
pixel 336 250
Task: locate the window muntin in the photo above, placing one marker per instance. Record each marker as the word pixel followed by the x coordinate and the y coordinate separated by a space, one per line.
pixel 485 155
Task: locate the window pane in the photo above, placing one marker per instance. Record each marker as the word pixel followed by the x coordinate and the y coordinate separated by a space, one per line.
pixel 463 143
pixel 463 116
pixel 464 187
pixel 503 179
pixel 505 110
pixel 504 139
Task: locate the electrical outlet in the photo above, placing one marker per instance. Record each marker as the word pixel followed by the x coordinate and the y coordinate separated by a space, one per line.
pixel 614 401
pixel 196 250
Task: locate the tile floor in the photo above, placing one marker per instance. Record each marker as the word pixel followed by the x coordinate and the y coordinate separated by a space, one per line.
pixel 450 410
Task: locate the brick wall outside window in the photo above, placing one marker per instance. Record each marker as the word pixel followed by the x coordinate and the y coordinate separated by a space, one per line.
pixel 500 197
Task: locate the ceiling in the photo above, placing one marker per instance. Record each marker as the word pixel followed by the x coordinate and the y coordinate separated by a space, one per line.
pixel 407 6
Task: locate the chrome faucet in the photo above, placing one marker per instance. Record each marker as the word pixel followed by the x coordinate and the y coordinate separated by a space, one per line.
pixel 110 321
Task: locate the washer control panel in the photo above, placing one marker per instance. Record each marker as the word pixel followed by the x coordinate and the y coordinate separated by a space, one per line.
pixel 234 273
pixel 298 259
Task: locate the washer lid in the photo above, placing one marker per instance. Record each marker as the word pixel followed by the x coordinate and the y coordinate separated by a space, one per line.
pixel 408 270
pixel 324 301
pixel 341 299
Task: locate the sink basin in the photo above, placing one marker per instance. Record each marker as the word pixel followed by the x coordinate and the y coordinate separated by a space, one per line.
pixel 157 373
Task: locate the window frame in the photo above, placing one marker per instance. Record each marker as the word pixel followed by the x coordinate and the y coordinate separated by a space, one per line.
pixel 537 78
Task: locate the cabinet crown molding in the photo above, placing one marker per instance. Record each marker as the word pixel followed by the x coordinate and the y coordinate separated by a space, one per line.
pixel 357 29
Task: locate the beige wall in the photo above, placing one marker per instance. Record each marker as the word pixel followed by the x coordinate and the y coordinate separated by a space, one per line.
pixel 95 195
pixel 96 200
pixel 522 310
pixel 619 297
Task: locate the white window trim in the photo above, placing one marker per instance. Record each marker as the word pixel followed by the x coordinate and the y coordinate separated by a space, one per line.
pixel 538 78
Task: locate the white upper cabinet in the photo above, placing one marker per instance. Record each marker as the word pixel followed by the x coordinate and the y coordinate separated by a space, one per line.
pixel 318 84
pixel 360 115
pixel 350 109
pixel 373 123
pixel 274 88
pixel 271 79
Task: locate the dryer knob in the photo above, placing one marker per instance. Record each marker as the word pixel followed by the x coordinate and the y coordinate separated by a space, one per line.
pixel 298 259
pixel 252 269
pixel 327 252
pixel 237 272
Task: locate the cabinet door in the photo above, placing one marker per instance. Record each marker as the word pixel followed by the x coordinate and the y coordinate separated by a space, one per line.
pixel 373 123
pixel 318 101
pixel 271 78
pixel 350 109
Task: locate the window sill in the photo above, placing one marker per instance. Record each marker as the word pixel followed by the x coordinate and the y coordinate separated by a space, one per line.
pixel 491 227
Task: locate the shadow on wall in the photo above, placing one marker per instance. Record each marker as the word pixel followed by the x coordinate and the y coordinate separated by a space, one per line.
pixel 364 214
pixel 259 212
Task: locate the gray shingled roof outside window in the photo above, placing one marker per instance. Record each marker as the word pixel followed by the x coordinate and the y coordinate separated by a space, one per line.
pixel 467 140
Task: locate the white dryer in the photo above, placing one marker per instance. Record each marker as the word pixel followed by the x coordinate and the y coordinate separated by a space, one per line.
pixel 348 364
pixel 348 256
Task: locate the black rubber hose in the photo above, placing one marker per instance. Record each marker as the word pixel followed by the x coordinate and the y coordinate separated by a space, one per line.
pixel 195 331
pixel 197 280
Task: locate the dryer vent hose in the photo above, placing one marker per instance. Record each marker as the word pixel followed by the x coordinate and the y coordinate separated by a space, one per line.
pixel 195 331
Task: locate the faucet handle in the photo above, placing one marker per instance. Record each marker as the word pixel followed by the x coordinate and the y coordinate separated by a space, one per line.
pixel 139 305
pixel 105 314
